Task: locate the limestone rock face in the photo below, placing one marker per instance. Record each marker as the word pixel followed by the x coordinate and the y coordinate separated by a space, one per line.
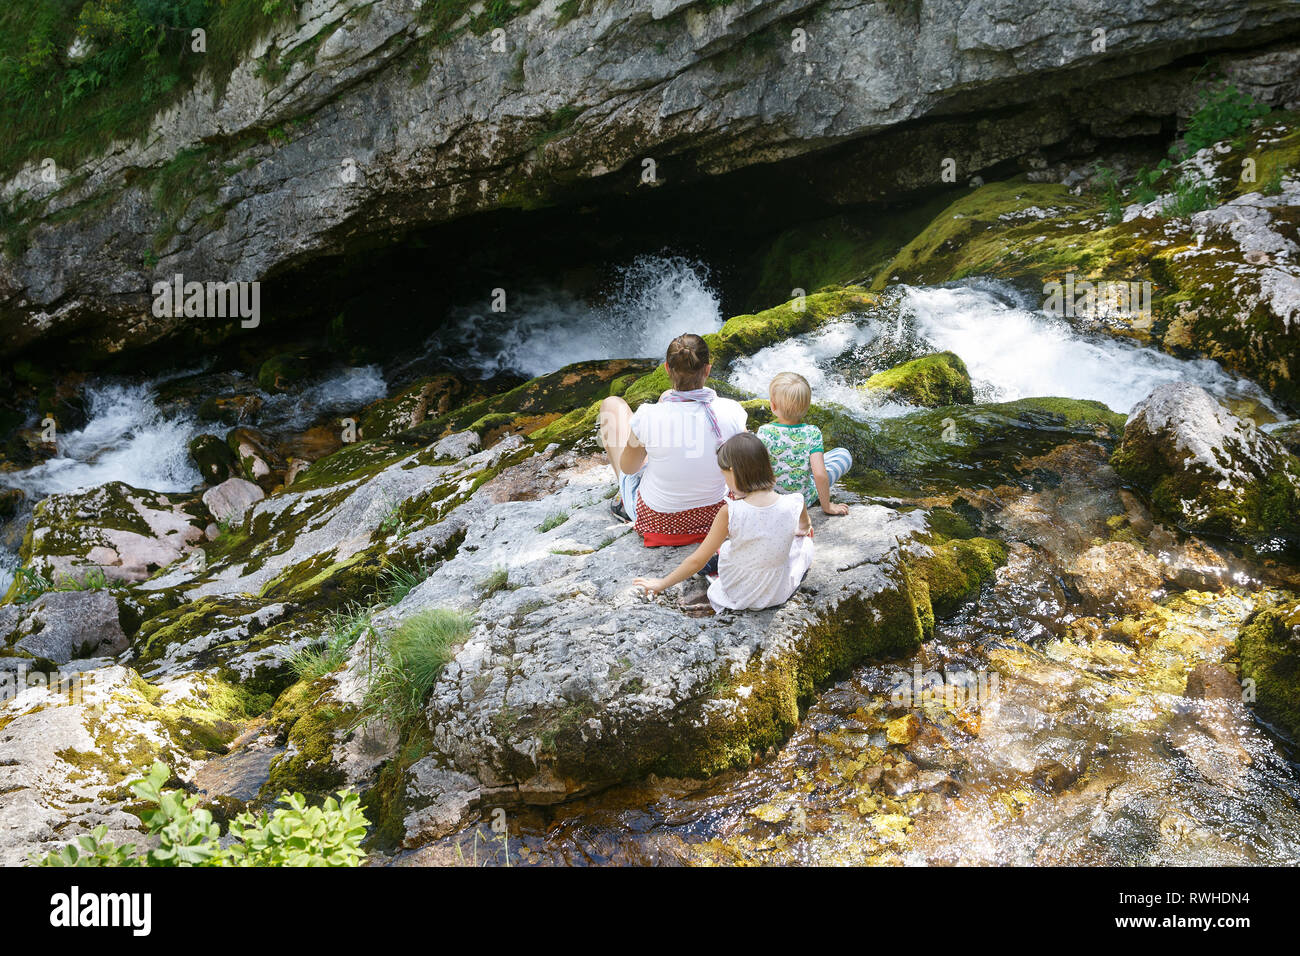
pixel 389 121
pixel 62 625
pixel 1208 469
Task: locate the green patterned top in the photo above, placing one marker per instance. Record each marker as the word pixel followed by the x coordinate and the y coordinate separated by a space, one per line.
pixel 790 447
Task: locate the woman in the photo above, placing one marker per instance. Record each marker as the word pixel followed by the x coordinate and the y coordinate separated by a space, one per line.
pixel 665 455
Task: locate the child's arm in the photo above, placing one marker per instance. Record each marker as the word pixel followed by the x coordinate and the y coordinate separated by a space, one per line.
pixel 805 523
pixel 697 559
pixel 817 462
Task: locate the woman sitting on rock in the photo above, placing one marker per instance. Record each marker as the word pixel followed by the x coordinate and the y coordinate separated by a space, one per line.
pixel 665 455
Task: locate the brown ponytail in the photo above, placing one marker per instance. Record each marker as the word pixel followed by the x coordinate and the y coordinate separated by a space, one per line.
pixel 688 361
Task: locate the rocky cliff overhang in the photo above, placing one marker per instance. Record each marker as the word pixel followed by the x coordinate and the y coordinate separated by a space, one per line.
pixel 376 127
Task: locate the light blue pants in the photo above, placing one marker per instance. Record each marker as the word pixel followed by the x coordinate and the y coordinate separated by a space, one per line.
pixel 838 462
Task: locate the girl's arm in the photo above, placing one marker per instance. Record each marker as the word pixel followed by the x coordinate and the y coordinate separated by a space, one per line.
pixel 805 523
pixel 817 462
pixel 692 564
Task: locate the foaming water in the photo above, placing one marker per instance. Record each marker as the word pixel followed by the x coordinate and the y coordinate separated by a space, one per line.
pixel 657 299
pixel 1011 349
pixel 345 391
pixel 126 438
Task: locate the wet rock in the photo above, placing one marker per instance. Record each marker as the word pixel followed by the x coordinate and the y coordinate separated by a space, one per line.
pixel 929 381
pixel 256 456
pixel 1116 577
pixel 231 410
pixel 1268 646
pixel 280 372
pixel 11 501
pixel 901 778
pixel 937 781
pixel 1054 776
pixel 213 458
pixel 1208 469
pixel 1211 681
pixel 903 730
pixel 230 500
pixel 59 626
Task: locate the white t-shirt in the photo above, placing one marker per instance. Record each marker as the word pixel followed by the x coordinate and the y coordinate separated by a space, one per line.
pixel 762 561
pixel 681 470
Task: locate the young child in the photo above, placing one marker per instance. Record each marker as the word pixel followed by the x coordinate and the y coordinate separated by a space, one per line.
pixel 762 538
pixel 800 463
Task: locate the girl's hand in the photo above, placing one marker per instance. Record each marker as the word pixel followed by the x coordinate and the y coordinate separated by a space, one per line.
pixel 653 585
pixel 835 509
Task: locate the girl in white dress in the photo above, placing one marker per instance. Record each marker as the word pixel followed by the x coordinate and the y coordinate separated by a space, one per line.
pixel 763 539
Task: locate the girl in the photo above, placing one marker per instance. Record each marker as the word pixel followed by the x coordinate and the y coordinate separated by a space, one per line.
pixel 762 538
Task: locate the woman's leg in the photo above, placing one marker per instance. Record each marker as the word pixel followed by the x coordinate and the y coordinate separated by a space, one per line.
pixel 615 427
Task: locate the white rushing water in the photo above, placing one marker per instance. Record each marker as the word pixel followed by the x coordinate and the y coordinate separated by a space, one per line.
pixel 656 299
pixel 1011 349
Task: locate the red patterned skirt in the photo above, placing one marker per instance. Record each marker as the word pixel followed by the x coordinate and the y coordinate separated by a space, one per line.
pixel 659 529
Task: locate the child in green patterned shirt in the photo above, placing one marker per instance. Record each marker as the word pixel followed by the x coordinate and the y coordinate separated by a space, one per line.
pixel 800 463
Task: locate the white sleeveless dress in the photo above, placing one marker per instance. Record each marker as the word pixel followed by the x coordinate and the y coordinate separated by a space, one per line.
pixel 763 560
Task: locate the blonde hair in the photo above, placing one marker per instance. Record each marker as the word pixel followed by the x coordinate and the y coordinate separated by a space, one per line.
pixel 791 395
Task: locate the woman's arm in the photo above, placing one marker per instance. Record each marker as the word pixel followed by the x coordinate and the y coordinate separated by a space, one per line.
pixel 697 559
pixel 633 456
pixel 817 462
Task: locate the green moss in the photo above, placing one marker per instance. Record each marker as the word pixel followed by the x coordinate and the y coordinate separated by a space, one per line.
pixel 310 722
pixel 954 571
pixel 1268 646
pixel 931 380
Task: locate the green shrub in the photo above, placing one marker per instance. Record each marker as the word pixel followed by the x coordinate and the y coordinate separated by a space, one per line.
pixel 1224 112
pixel 292 835
pixel 404 667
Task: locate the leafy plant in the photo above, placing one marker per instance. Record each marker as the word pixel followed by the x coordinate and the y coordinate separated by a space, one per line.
pixel 498 580
pixel 1111 194
pixel 1224 112
pixel 34 584
pixel 404 667
pixel 292 835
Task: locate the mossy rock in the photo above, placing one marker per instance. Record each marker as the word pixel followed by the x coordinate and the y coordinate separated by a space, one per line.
pixel 954 571
pixel 213 458
pixel 310 721
pixel 930 381
pixel 280 372
pixel 1268 647
pixel 958 446
pixel 1207 469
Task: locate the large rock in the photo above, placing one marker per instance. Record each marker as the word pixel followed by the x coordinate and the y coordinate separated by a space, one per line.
pixel 230 500
pixel 61 625
pixel 571 680
pixel 930 381
pixel 126 532
pixel 1208 469
pixel 424 120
